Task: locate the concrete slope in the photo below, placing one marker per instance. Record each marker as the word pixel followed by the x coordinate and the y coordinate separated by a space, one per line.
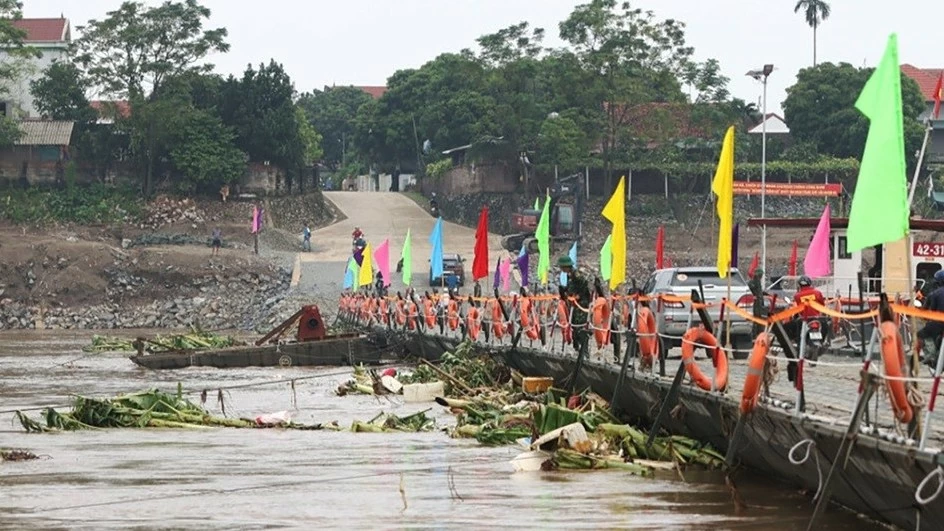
pixel 386 215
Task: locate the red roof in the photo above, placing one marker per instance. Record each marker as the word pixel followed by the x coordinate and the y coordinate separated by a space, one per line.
pixel 375 92
pixel 926 78
pixel 107 108
pixel 44 29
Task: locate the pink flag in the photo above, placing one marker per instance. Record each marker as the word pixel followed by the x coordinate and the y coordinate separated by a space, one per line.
pixel 504 270
pixel 382 259
pixel 256 219
pixel 816 262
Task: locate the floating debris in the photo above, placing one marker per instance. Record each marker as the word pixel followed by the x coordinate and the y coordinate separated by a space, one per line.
pixel 388 422
pixel 197 339
pixel 16 454
pixel 145 409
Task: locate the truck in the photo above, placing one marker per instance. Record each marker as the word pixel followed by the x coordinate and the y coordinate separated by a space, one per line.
pixel 566 209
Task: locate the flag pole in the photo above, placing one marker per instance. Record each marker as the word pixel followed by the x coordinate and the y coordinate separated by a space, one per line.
pixel 917 171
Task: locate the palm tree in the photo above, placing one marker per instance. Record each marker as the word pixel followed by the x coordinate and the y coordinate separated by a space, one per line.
pixel 815 11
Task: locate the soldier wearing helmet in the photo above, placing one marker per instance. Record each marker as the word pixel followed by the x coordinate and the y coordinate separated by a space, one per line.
pixel 930 334
pixel 578 289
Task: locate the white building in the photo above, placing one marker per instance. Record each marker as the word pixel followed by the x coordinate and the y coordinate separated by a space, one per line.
pixel 51 37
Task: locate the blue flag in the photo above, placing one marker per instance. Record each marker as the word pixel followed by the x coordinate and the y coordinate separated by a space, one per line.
pixel 349 275
pixel 573 257
pixel 436 259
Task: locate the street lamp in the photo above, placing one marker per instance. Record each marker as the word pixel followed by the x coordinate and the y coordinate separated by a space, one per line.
pixel 761 75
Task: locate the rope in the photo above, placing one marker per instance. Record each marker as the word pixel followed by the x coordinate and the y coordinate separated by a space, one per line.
pixel 937 472
pixel 810 444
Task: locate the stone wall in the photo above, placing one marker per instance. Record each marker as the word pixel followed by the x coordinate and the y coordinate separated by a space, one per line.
pixel 37 164
pixel 473 178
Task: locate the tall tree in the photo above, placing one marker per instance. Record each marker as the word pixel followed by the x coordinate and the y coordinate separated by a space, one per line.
pixel 135 49
pixel 820 108
pixel 11 42
pixel 332 112
pixel 815 12
pixel 628 57
pixel 60 94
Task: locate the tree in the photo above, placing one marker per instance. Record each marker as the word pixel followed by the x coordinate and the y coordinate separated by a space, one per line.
pixel 332 113
pixel 310 138
pixel 561 142
pixel 11 42
pixel 628 57
pixel 820 109
pixel 136 49
pixel 60 95
pixel 203 149
pixel 815 12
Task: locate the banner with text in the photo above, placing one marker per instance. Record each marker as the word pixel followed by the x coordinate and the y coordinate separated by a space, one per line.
pixel 798 189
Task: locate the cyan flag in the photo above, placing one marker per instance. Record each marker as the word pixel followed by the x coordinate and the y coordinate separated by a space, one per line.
pixel 349 275
pixel 436 259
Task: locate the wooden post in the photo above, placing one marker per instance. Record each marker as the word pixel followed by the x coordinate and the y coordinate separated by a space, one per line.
pixel 629 187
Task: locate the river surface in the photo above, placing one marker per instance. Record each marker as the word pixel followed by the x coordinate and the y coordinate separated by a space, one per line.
pixel 222 478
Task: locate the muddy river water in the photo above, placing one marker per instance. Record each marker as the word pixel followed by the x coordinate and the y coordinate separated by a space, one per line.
pixel 273 479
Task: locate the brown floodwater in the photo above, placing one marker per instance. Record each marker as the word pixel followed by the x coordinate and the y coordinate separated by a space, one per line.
pixel 221 478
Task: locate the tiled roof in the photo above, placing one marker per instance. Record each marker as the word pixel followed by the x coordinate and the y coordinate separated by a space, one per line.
pixel 45 133
pixel 926 78
pixel 375 92
pixel 44 29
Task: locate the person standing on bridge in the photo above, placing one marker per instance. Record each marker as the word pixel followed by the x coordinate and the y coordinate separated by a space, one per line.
pixel 578 290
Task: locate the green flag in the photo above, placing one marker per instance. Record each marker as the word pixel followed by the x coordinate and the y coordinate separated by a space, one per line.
pixel 606 258
pixel 537 203
pixel 407 256
pixel 879 210
pixel 354 269
pixel 543 234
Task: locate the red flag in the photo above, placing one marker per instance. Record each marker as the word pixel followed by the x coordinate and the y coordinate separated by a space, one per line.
pixel 793 260
pixel 660 247
pixel 754 263
pixel 480 260
pixel 938 96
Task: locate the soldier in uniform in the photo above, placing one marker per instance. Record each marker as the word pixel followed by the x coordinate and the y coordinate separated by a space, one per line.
pixel 756 285
pixel 578 288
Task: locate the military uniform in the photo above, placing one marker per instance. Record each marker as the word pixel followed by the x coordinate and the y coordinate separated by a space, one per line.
pixel 577 288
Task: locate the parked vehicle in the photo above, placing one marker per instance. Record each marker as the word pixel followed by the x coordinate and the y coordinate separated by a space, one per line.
pixel 673 317
pixel 453 264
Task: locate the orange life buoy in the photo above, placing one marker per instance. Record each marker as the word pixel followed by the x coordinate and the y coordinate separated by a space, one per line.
pixel 600 310
pixel 412 314
pixel 472 323
pixel 706 340
pixel 498 320
pixel 893 358
pixel 529 323
pixel 755 373
pixel 452 313
pixel 429 311
pixel 563 321
pixel 648 341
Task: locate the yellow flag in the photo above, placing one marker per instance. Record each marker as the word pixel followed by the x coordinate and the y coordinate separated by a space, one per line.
pixel 615 211
pixel 366 276
pixel 723 187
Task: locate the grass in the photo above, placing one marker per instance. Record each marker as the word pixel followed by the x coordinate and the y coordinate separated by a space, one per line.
pixel 96 203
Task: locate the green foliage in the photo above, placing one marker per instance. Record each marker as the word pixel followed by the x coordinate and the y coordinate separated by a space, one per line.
pixel 136 47
pixel 203 150
pixel 260 108
pixel 79 204
pixel 561 142
pixel 9 132
pixel 311 140
pixel 439 168
pixel 60 94
pixel 332 113
pixel 820 109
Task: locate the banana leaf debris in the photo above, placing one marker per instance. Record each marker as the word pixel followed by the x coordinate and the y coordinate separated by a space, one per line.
pixel 560 431
pixel 196 339
pixel 145 409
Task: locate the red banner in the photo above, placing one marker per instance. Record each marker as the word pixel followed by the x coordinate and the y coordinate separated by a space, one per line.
pixel 800 189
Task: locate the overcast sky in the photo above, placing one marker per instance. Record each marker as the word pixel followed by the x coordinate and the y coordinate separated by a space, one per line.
pixel 362 42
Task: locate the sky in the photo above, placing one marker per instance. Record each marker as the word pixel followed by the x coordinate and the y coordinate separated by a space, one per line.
pixel 362 42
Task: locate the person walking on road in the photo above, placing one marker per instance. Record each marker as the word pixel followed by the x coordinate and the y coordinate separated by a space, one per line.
pixel 306 238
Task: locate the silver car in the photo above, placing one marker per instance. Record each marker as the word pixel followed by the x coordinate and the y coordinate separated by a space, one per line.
pixel 672 318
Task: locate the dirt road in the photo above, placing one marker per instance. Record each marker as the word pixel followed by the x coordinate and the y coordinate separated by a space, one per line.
pixel 384 215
